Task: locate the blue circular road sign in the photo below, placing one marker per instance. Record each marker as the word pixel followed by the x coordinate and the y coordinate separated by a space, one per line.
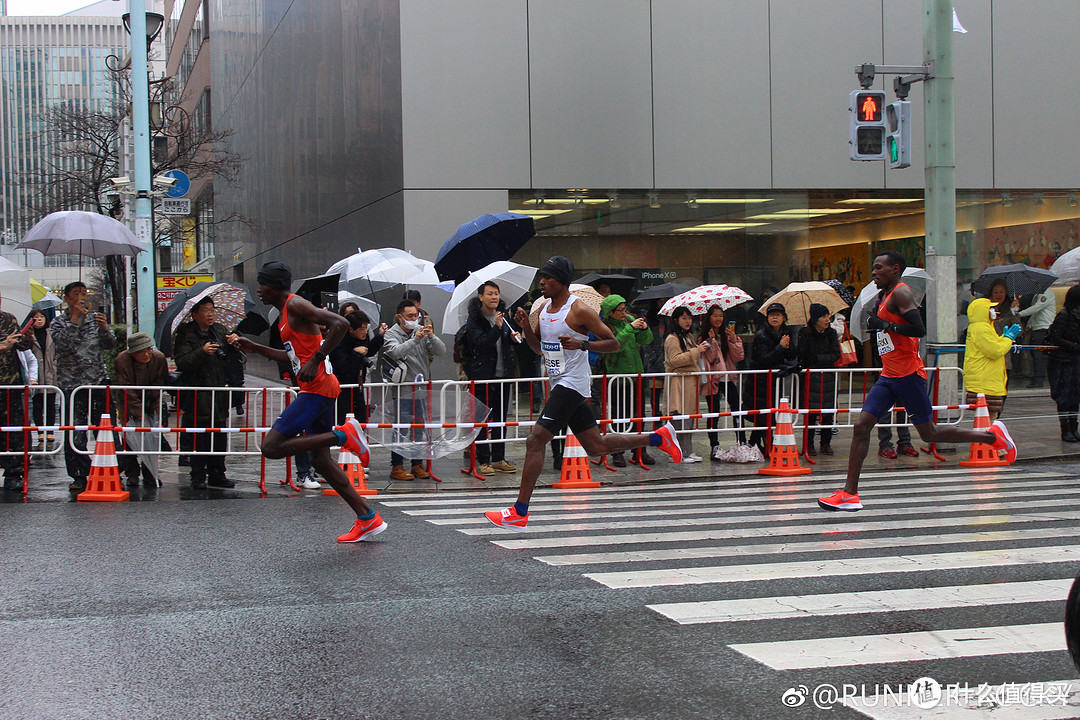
pixel 183 183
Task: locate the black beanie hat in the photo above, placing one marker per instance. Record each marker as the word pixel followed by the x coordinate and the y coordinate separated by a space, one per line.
pixel 558 268
pixel 817 310
pixel 275 274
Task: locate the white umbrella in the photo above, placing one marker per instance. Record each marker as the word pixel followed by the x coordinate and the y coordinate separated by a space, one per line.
pixel 77 232
pixel 370 271
pixel 14 289
pixel 917 278
pixel 513 280
pixel 369 307
pixel 1067 267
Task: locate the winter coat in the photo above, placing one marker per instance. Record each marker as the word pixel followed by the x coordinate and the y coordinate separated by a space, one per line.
pixel 681 391
pixel 129 372
pixel 818 350
pixel 717 363
pixel 766 354
pixel 202 370
pixel 627 359
pixel 77 350
pixel 400 345
pixel 350 367
pixel 1065 333
pixel 482 344
pixel 984 355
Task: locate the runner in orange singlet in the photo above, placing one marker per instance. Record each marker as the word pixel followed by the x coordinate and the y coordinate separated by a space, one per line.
pixel 312 412
pixel 902 381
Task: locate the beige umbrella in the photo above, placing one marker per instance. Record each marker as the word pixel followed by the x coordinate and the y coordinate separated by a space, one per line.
pixel 585 293
pixel 798 297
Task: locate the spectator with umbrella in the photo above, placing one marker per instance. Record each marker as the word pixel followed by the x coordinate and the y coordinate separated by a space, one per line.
pixel 681 358
pixel 77 341
pixel 11 401
pixel 819 348
pixel 1063 364
pixel 43 404
pixel 724 350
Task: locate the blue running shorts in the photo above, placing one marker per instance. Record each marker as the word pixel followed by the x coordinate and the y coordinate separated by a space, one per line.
pixel 909 392
pixel 309 413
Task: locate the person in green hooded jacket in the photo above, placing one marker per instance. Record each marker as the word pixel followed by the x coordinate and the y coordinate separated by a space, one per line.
pixel 632 333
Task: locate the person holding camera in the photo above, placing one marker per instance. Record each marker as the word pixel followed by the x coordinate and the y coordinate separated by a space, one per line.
pixel 408 346
pixel 201 349
pixel 11 401
pixel 140 365
pixel 79 340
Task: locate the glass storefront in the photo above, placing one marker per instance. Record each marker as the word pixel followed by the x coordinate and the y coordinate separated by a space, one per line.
pixel 760 240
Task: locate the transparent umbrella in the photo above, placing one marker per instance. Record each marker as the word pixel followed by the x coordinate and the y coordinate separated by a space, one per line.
pixel 513 280
pixel 370 271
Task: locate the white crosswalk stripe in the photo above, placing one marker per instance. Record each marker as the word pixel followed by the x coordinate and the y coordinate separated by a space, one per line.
pixel 946 545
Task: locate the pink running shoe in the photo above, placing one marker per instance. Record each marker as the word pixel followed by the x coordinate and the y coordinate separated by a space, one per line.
pixel 669 443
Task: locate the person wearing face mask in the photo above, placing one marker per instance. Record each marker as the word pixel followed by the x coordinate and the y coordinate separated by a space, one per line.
pixel 412 343
pixel 984 356
pixel 1063 364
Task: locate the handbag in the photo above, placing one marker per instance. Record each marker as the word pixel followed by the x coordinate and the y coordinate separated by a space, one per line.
pixel 847 352
pixel 394 371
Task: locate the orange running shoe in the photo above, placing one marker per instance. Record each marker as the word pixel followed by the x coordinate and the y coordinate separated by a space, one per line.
pixel 840 500
pixel 508 519
pixel 355 442
pixel 1004 443
pixel 669 443
pixel 363 529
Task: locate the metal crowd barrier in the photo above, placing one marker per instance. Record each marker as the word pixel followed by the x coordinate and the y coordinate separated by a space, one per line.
pixel 17 402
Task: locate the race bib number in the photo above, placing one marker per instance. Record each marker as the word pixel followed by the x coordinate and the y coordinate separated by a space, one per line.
pixel 554 358
pixel 884 343
pixel 294 361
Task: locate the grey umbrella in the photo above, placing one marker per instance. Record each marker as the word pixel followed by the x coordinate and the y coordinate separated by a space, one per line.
pixel 77 232
pixel 1019 279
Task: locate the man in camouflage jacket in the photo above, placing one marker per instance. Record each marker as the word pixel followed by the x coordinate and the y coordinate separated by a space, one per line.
pixel 78 341
pixel 12 401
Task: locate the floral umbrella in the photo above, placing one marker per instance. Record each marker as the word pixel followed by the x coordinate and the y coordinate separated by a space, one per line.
pixel 586 293
pixel 236 310
pixel 700 299
pixel 798 297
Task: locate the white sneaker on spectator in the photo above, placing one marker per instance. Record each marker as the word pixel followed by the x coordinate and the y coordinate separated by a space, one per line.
pixel 307 482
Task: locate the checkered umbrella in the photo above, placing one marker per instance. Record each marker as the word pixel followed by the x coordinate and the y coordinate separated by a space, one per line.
pixel 701 298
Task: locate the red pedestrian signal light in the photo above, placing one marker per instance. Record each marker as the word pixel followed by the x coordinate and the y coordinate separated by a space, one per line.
pixel 866 127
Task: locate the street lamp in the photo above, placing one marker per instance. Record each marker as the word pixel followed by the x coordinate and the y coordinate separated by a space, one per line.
pixel 154 23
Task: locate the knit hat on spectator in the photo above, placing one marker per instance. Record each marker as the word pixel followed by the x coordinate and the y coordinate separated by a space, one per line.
pixel 817 310
pixel 138 342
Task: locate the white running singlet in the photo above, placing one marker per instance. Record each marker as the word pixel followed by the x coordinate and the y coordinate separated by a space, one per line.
pixel 569 368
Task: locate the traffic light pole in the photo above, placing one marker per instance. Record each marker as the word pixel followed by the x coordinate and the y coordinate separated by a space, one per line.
pixel 940 171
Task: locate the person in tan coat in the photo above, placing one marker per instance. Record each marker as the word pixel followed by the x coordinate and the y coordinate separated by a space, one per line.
pixel 681 356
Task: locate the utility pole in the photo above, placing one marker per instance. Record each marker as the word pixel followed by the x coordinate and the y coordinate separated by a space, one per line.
pixel 940 172
pixel 140 124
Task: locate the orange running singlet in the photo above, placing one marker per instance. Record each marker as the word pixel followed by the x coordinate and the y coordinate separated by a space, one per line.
pixel 301 347
pixel 899 353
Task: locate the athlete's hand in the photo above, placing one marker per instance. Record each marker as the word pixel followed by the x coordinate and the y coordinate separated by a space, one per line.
pixel 308 372
pixel 521 318
pixel 874 322
pixel 241 343
pixel 570 343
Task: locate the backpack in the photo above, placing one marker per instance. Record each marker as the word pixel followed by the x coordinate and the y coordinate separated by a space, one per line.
pixel 461 345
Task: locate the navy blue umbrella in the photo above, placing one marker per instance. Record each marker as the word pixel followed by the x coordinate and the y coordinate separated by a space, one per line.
pixel 480 242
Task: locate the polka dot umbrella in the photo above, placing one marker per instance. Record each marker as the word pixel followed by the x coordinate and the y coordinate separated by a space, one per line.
pixel 701 298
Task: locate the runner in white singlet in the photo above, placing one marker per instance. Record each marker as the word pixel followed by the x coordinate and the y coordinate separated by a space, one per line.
pixel 563 341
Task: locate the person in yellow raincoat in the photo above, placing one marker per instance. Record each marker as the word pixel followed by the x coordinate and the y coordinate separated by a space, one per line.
pixel 984 356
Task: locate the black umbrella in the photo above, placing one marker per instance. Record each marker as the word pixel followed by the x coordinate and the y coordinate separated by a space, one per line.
pixel 1019 279
pixel 842 291
pixel 619 284
pixel 663 292
pixel 253 321
pixel 480 242
pixel 312 288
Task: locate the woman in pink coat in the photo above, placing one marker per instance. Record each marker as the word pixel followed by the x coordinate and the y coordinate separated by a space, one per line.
pixel 725 348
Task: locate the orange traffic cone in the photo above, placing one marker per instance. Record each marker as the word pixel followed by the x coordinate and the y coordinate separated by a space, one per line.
pixel 103 485
pixel 354 470
pixel 784 456
pixel 575 466
pixel 981 454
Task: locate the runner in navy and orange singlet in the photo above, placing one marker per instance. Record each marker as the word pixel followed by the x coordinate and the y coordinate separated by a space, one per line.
pixel 312 412
pixel 902 381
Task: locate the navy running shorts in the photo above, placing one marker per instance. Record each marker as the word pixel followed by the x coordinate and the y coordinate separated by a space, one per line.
pixel 309 413
pixel 566 407
pixel 909 392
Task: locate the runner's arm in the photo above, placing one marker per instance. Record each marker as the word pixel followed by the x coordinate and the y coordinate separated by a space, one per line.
pixel 243 344
pixel 336 327
pixel 906 308
pixel 605 339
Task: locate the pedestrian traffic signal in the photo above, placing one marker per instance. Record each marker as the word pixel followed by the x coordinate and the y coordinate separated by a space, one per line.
pixel 898 142
pixel 866 135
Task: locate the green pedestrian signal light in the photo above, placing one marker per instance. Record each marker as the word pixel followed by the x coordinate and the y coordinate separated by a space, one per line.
pixel 866 125
pixel 898 123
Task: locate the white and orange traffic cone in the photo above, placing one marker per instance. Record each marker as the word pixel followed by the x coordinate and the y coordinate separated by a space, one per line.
pixel 575 467
pixel 784 455
pixel 982 454
pixel 103 484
